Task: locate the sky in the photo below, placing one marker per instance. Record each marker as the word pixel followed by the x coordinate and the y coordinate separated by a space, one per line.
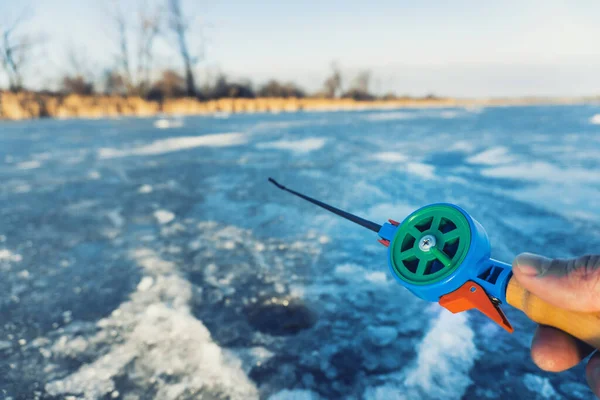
pixel 462 48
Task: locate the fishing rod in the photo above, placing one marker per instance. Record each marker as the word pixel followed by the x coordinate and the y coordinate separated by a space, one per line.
pixel 442 254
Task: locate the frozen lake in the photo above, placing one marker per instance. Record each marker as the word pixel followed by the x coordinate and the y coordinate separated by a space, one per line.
pixel 142 263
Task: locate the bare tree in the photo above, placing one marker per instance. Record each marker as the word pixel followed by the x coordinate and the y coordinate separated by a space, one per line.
pixel 120 28
pixel 16 51
pixel 362 81
pixel 123 57
pixel 149 29
pixel 114 83
pixel 180 26
pixel 333 84
pixel 77 85
pixel 134 63
pixel 171 84
pixel 274 88
pixel 359 90
pixel 77 61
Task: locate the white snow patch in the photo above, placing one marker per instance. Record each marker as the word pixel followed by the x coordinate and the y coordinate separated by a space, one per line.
pixel 449 114
pixel 296 394
pixel 33 164
pixel 253 356
pixel 595 120
pixel 164 216
pixel 376 277
pixel 390 157
pixel 324 239
pixel 296 146
pixel 445 357
pixel 145 189
pixel 93 175
pixel 229 245
pixel 540 385
pixel 221 114
pixel 7 255
pixel 543 171
pixel 474 109
pixel 425 171
pixel 145 284
pixel 176 144
pixel 161 343
pixel 492 156
pixel 167 123
pixel 463 146
pixel 348 269
pixel 390 116
pixel 23 188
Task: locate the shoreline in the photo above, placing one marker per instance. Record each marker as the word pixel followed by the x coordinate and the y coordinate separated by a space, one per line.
pixel 29 105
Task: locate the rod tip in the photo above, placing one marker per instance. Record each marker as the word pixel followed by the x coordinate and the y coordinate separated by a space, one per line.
pixel 274 182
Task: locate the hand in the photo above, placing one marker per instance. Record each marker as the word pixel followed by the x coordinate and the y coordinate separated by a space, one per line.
pixel 569 284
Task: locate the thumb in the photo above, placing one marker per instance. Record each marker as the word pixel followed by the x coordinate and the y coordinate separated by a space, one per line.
pixel 572 284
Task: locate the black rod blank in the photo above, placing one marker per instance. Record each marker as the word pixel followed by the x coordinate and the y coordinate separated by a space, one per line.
pixel 351 217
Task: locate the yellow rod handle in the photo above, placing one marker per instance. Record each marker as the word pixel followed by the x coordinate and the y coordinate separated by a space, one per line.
pixel 585 326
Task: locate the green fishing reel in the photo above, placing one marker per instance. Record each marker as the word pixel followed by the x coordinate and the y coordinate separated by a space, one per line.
pixel 441 254
pixel 430 245
pixel 438 248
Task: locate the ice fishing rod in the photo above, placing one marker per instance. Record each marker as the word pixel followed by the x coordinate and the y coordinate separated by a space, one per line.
pixel 441 254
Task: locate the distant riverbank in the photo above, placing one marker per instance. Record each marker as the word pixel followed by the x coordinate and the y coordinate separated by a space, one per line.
pixel 25 105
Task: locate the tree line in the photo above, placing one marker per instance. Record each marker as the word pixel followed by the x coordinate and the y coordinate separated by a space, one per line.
pixel 134 70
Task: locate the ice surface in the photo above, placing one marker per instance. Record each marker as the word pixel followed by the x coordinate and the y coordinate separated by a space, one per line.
pixel 390 116
pixel 540 385
pixel 595 119
pixel 390 157
pixel 387 392
pixel 384 211
pixel 381 336
pixel 413 114
pixel 297 146
pixel 445 358
pixel 462 145
pixel 145 189
pixel 575 390
pixel 422 170
pixel 237 290
pixel 33 164
pixel 160 338
pixel 164 216
pixel 177 144
pixel 7 255
pixel 543 171
pixel 297 394
pixel 94 175
pixel 167 123
pixel 493 156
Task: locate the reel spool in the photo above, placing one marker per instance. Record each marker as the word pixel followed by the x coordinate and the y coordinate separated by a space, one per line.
pixel 430 245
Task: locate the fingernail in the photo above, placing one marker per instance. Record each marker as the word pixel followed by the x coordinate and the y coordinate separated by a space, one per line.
pixel 532 264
